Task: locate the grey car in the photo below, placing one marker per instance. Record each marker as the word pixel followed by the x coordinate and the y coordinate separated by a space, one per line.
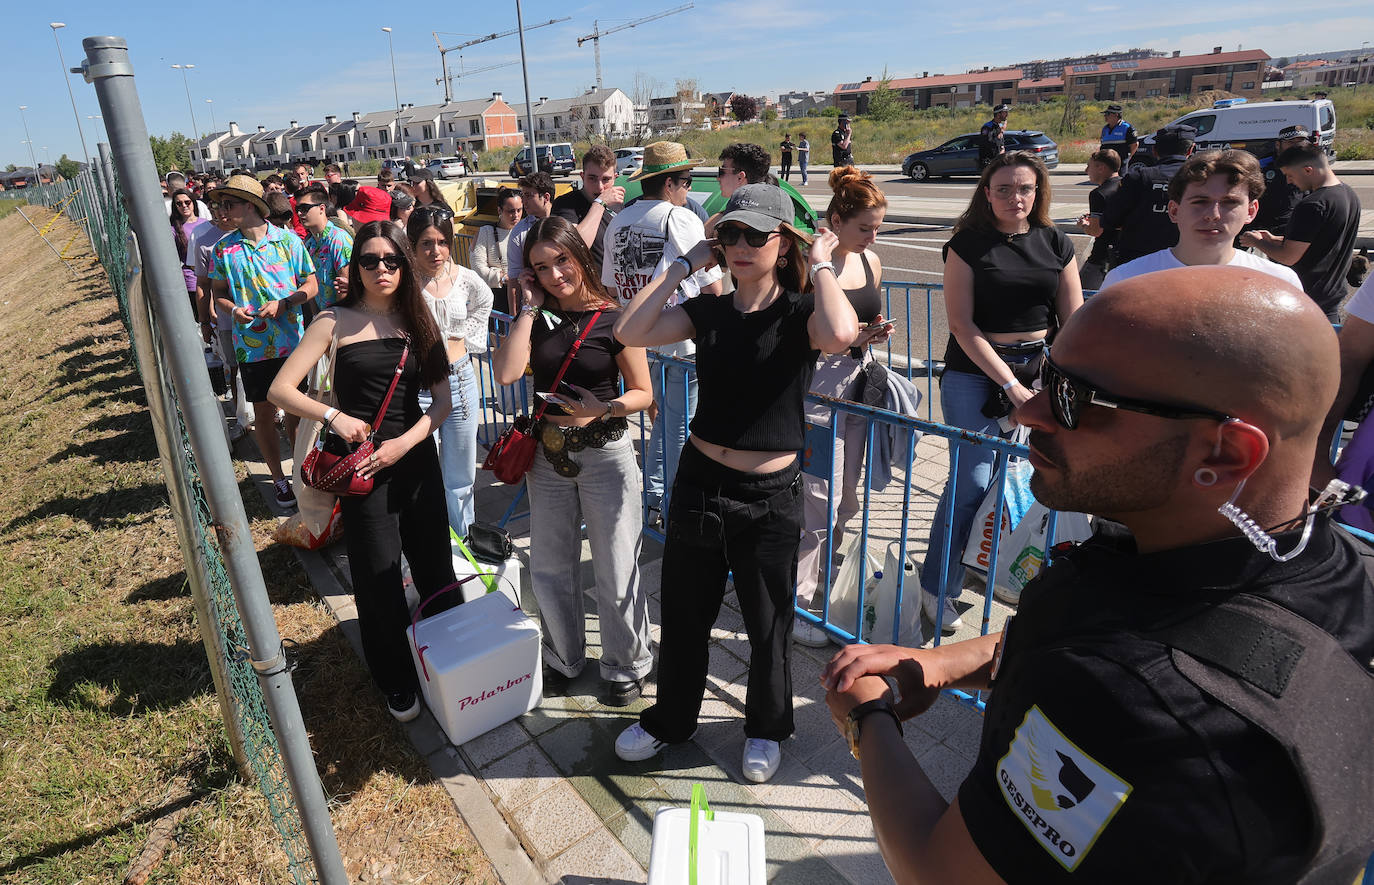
pixel 959 156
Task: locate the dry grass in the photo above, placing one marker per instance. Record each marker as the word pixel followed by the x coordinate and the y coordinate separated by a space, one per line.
pixel 108 718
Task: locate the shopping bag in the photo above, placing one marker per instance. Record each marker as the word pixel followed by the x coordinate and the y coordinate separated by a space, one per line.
pixel 987 528
pixel 1022 555
pixel 294 531
pixel 844 590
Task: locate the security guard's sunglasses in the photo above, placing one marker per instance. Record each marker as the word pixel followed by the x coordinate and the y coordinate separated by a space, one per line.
pixel 1068 395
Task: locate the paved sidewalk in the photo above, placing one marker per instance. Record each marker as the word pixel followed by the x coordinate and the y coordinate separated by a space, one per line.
pixel 549 801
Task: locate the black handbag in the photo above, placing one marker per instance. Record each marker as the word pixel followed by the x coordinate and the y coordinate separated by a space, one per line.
pixel 489 543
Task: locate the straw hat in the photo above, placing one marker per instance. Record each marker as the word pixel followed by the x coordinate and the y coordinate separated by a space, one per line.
pixel 662 157
pixel 242 187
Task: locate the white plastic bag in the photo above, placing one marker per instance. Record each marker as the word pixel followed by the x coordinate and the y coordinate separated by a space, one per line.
pixel 880 595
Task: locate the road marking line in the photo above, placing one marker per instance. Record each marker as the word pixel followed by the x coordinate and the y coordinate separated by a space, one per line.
pixel 911 246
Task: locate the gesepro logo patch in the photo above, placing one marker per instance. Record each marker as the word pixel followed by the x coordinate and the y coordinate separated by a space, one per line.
pixel 1063 796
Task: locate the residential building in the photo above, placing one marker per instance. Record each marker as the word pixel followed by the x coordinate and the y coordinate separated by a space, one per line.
pixel 1042 69
pixel 269 148
pixel 792 105
pixel 1354 71
pixel 675 113
pixel 339 141
pixel 303 143
pixel 210 149
pixel 595 114
pixel 236 151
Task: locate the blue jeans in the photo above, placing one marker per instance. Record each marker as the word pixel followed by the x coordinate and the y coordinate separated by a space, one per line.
pixel 961 396
pixel 458 443
pixel 801 166
pixel 670 428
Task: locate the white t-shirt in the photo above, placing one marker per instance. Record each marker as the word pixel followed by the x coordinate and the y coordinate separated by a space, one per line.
pixel 202 245
pixel 1361 304
pixel 641 241
pixel 1164 259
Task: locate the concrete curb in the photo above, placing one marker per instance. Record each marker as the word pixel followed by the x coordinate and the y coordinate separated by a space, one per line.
pixel 470 800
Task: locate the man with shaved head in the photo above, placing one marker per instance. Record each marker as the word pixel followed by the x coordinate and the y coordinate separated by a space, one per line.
pixel 1184 697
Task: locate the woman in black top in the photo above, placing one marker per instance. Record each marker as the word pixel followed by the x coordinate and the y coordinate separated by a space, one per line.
pixel 736 503
pixel 856 211
pixel 585 469
pixel 1010 277
pixel 383 314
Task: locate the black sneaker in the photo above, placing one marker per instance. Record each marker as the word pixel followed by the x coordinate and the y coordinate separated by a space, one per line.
pixel 622 694
pixel 555 683
pixel 404 705
pixel 282 489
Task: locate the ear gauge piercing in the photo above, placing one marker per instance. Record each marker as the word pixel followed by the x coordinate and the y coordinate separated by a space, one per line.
pixel 1205 476
pixel 782 262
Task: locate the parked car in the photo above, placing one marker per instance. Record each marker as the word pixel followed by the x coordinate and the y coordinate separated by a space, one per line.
pixel 1253 126
pixel 448 167
pixel 959 156
pixel 398 167
pixel 555 159
pixel 629 160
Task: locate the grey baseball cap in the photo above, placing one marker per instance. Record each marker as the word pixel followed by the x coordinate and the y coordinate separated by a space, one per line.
pixel 760 206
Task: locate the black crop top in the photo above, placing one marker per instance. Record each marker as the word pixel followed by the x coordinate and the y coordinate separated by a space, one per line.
pixel 362 373
pixel 1015 280
pixel 867 300
pixel 594 367
pixel 753 371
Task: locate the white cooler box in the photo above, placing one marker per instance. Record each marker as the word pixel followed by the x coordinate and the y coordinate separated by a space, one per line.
pixel 730 849
pixel 481 665
pixel 506 576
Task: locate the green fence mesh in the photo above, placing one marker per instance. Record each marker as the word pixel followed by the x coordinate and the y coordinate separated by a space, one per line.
pixel 88 202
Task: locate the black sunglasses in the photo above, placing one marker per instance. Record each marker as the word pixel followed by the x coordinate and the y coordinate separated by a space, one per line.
pixel 370 262
pixel 302 208
pixel 729 236
pixel 1068 395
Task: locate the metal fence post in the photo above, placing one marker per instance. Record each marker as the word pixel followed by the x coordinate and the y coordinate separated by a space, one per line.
pixel 107 66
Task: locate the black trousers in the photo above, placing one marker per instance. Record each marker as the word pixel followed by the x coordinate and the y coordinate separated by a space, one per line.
pixel 722 521
pixel 786 166
pixel 405 513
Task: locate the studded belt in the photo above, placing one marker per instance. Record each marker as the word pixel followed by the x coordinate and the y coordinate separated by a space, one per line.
pixel 557 442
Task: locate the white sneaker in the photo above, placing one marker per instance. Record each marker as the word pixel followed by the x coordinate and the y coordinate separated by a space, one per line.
pixel 808 634
pixel 761 759
pixel 635 744
pixel 952 621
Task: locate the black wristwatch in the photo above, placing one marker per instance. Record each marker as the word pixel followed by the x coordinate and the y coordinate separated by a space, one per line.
pixel 853 723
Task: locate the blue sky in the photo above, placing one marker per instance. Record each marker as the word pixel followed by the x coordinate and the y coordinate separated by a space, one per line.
pixel 303 66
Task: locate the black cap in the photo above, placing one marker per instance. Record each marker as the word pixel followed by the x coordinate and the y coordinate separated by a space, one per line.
pixel 1113 109
pixel 1002 108
pixel 844 116
pixel 1297 131
pixel 1178 130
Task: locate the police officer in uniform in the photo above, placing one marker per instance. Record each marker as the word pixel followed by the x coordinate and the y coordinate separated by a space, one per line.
pixel 1145 720
pixel 992 137
pixel 1118 135
pixel 842 143
pixel 1140 206
pixel 1280 196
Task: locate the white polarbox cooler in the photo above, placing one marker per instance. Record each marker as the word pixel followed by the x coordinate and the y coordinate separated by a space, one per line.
pixel 729 847
pixel 478 665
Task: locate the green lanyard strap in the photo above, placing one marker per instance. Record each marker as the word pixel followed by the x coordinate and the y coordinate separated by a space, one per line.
pixel 699 807
pixel 487 577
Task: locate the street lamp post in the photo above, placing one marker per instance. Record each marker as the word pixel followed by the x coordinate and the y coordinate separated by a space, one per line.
pixel 85 154
pixel 29 139
pixel 213 125
pixel 529 105
pixel 195 132
pixel 396 92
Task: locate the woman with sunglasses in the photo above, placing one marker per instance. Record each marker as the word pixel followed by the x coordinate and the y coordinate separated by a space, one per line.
pixel 585 470
pixel 1010 279
pixel 489 253
pixel 382 317
pixel 736 502
pixel 185 219
pixel 461 305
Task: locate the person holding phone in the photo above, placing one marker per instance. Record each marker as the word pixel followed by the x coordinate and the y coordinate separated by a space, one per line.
pixel 585 470
pixel 855 213
pixel 736 502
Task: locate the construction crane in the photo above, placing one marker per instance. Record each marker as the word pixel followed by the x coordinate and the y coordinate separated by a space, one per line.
pixel 443 52
pixel 596 34
pixel 468 73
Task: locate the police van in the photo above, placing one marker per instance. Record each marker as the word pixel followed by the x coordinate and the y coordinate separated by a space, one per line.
pixel 1253 126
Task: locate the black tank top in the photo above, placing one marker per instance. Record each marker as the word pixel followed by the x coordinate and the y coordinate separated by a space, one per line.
pixel 867 300
pixel 362 373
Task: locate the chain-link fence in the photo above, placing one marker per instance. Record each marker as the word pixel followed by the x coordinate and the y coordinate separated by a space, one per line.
pixel 210 529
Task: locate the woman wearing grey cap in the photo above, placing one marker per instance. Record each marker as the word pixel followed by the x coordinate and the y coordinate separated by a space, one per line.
pixel 736 502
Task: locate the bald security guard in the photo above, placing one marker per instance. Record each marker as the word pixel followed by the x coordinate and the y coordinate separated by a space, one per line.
pixel 1145 720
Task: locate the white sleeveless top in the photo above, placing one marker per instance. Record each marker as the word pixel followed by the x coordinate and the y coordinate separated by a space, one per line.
pixel 465 309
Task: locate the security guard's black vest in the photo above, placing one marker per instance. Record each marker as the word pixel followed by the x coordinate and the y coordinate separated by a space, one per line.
pixel 1273 668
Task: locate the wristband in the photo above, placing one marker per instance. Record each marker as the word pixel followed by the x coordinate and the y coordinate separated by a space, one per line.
pixel 822 265
pixel 686 265
pixel 329 415
pixel 1010 384
pixel 599 202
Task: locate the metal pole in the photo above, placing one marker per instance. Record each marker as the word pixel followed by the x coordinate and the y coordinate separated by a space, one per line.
pixel 529 108
pixel 195 130
pixel 85 154
pixel 107 66
pixel 395 90
pixel 29 141
pixel 213 124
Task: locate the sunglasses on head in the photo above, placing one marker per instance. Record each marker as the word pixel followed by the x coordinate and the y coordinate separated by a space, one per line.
pixel 1069 395
pixel 370 262
pixel 730 235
